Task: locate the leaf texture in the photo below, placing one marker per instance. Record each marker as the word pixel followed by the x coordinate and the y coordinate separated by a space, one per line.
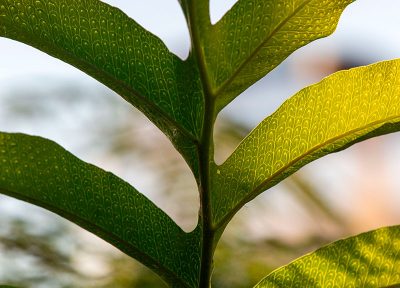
pixel 370 259
pixel 41 172
pixel 255 36
pixel 105 43
pixel 344 108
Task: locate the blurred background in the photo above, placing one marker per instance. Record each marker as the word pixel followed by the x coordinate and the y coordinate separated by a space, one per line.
pixel 340 195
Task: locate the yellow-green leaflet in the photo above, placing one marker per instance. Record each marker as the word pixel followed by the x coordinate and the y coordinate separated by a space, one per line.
pixel 370 259
pixel 255 36
pixel 342 109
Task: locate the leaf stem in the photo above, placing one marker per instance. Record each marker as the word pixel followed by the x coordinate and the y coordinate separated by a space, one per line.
pixel 198 20
pixel 208 233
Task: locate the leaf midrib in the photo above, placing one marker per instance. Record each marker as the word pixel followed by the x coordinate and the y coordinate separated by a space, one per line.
pixel 262 186
pixel 227 82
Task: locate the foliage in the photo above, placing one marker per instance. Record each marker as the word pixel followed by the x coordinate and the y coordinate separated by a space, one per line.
pixel 183 98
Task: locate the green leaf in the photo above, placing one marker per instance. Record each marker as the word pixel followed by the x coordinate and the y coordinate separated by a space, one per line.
pixel 41 172
pixel 344 108
pixel 370 259
pixel 255 36
pixel 105 43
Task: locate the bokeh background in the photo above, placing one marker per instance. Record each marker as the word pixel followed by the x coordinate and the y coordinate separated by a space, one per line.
pixel 340 195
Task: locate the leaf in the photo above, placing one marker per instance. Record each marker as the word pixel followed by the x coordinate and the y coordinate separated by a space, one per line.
pixel 105 43
pixel 370 259
pixel 40 172
pixel 344 108
pixel 255 36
